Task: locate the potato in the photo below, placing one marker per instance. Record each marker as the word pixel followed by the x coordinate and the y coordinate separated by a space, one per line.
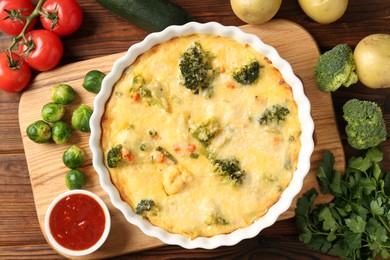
pixel 255 11
pixel 372 59
pixel 324 11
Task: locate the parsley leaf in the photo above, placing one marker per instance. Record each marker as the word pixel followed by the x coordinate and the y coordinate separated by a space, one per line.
pixel 356 223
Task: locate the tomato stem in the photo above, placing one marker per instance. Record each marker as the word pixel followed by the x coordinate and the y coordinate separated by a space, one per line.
pixel 22 34
pixel 53 16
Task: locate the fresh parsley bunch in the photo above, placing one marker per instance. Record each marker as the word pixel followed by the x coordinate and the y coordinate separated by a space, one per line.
pixel 356 223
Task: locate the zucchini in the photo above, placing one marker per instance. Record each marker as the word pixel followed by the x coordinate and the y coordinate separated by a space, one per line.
pixel 149 15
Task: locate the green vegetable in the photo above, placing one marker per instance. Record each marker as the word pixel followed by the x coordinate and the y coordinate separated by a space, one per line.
pixel 39 132
pixel 356 223
pixel 276 114
pixel 52 112
pixel 150 15
pixel 146 206
pixel 61 132
pixel 93 81
pixel 73 157
pixel 80 118
pixel 194 155
pixel 336 68
pixel 63 94
pixel 229 169
pixel 75 179
pixel 154 97
pixel 152 133
pixel 248 74
pixel 167 154
pixel 216 219
pixel 143 146
pixel 365 124
pixel 205 132
pixel 114 156
pixel 195 67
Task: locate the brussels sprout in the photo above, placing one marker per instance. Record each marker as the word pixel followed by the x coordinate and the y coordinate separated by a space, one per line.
pixel 73 157
pixel 75 179
pixel 93 81
pixel 39 131
pixel 52 112
pixel 63 94
pixel 80 118
pixel 61 132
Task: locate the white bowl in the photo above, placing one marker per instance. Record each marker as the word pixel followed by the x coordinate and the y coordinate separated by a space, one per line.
pixel 87 251
pixel 287 196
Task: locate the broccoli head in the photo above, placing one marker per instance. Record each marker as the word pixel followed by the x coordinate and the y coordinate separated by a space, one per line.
pixel 230 169
pixel 114 156
pixel 336 68
pixel 146 206
pixel 205 132
pixel 248 74
pixel 365 124
pixel 195 67
pixel 276 113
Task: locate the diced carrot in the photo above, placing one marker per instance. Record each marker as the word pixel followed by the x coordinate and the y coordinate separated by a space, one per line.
pixel 177 149
pixel 159 157
pixel 136 97
pixel 222 70
pixel 130 157
pixel 127 155
pixel 276 140
pixel 231 85
pixel 191 148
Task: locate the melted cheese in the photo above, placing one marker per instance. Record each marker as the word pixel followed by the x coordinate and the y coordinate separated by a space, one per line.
pixel 190 197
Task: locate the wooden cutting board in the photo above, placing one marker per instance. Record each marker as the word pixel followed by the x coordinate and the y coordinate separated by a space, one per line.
pixel 47 171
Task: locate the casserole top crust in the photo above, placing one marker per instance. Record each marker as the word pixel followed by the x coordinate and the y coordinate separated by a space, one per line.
pixel 201 135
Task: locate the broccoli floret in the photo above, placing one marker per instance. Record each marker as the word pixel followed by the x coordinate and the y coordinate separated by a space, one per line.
pixel 195 67
pixel 248 74
pixel 230 169
pixel 205 132
pixel 276 113
pixel 216 219
pixel 365 124
pixel 114 156
pixel 146 206
pixel 336 68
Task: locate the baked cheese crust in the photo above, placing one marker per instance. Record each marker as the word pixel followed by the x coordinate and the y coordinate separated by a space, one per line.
pixel 205 160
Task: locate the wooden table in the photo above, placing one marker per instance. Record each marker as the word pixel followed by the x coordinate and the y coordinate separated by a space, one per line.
pixel 101 34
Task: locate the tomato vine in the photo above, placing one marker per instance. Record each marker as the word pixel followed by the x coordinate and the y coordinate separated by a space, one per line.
pixel 22 34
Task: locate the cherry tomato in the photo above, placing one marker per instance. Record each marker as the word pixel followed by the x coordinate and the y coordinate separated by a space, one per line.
pixel 63 17
pixel 14 76
pixel 46 52
pixel 9 12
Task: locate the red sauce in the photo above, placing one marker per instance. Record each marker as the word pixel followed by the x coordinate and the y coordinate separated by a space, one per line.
pixel 77 222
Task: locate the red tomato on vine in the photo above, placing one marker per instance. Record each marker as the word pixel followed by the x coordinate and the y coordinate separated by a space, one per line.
pixel 43 49
pixel 15 74
pixel 13 14
pixel 63 17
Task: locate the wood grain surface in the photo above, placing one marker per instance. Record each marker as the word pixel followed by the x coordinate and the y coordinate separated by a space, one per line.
pixel 101 34
pixel 45 160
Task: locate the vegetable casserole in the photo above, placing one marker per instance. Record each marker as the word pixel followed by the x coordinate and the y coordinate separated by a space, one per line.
pixel 201 135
